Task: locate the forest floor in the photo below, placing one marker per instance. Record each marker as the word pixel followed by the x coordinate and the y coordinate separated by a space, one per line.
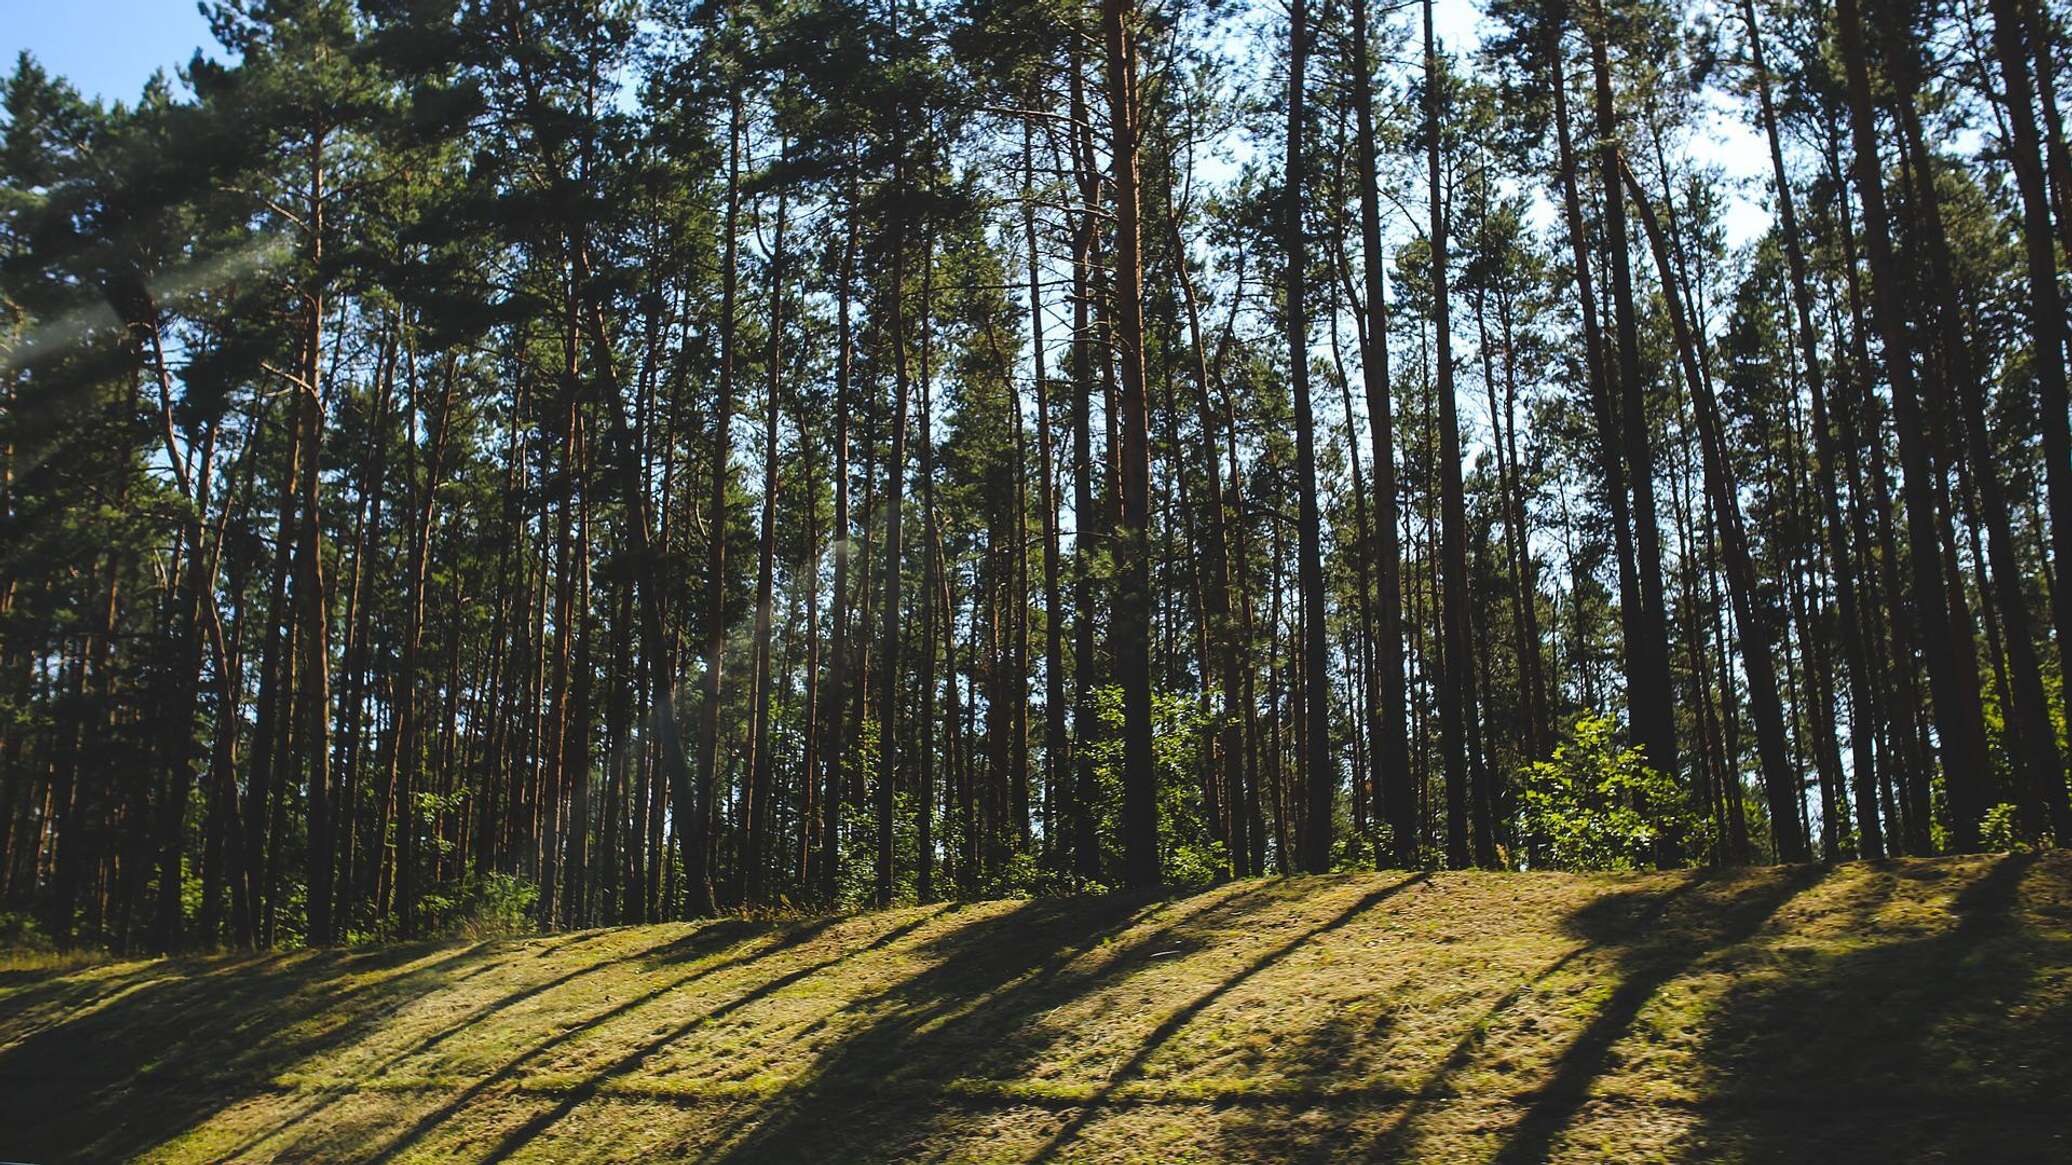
pixel 1891 1011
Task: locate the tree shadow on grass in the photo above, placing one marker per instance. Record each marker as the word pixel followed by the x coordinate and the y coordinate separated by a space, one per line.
pixel 1944 1040
pixel 1887 1021
pixel 191 1033
pixel 1628 945
pixel 1608 921
pixel 988 979
pixel 973 1032
pixel 1939 1032
pixel 1171 1025
pixel 207 1041
pixel 83 1051
pixel 36 1000
pixel 631 1061
pixel 699 944
pixel 1676 943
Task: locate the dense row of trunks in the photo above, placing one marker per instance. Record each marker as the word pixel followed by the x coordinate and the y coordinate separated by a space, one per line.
pixel 861 457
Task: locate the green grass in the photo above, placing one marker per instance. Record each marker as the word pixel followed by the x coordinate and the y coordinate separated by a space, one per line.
pixel 1908 1011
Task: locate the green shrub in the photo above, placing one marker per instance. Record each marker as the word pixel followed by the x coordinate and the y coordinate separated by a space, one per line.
pixel 1597 806
pixel 2002 829
pixel 484 906
pixel 21 932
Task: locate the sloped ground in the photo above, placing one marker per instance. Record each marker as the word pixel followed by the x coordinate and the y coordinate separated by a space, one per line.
pixel 1894 1011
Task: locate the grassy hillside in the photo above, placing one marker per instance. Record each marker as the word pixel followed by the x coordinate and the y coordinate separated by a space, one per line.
pixel 1891 1011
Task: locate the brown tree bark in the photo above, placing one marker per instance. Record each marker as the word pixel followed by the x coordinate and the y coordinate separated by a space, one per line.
pixel 1758 660
pixel 1316 769
pixel 1962 738
pixel 1651 704
pixel 1389 757
pixel 1862 701
pixel 2047 325
pixel 761 784
pixel 1132 617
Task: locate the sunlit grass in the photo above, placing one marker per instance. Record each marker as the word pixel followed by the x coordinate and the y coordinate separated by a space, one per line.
pixel 1921 1009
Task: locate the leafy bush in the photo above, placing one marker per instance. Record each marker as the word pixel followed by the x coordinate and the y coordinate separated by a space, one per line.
pixel 20 932
pixel 1597 806
pixel 1189 855
pixel 2002 829
pixel 1024 875
pixel 484 906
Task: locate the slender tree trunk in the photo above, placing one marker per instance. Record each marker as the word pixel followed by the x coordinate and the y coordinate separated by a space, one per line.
pixel 694 816
pixel 1862 720
pixel 838 645
pixel 810 710
pixel 1525 569
pixel 1390 755
pixel 1651 703
pixel 1133 604
pixel 311 589
pixel 1086 853
pixel 1457 685
pixel 1961 736
pixel 761 782
pixel 931 564
pixel 1317 772
pixel 1054 740
pixel 895 487
pixel 1612 462
pixel 1757 657
pixel 2047 338
pixel 192 597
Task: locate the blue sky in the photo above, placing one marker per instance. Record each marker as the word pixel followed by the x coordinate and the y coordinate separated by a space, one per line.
pixel 107 48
